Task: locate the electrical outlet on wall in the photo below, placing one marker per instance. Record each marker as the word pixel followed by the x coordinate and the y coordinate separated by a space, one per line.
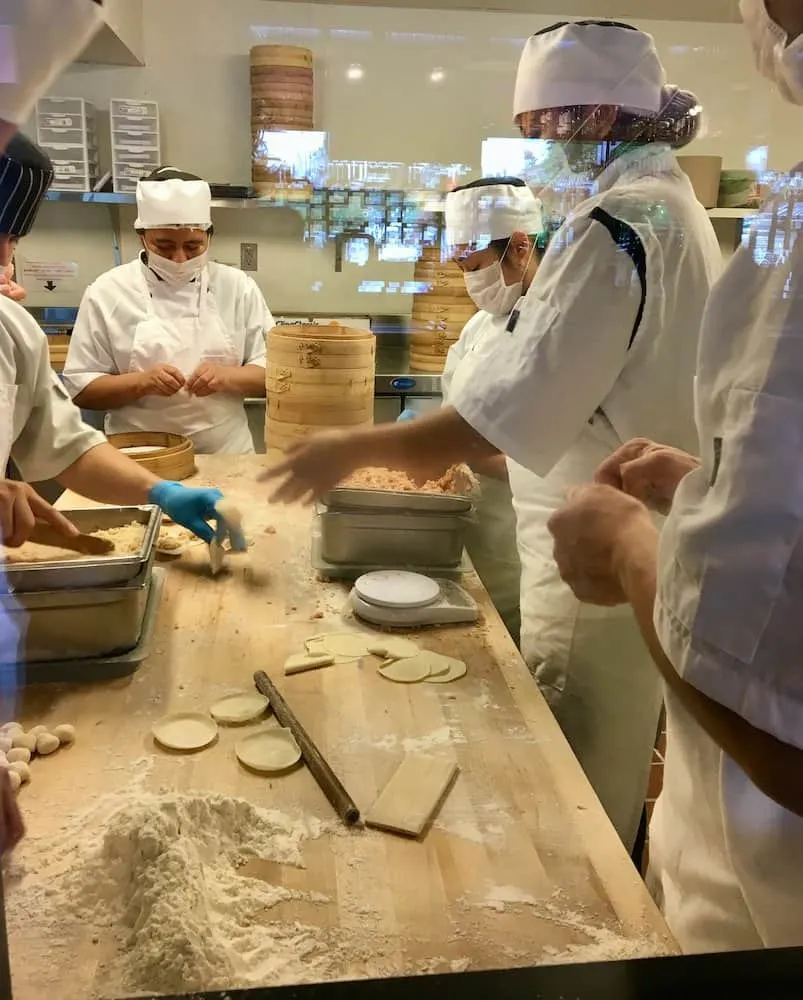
pixel 249 257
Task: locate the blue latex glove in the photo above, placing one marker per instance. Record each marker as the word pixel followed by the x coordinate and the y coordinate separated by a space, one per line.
pixel 406 415
pixel 191 508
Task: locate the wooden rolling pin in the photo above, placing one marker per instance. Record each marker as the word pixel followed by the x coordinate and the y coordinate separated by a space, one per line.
pixel 327 780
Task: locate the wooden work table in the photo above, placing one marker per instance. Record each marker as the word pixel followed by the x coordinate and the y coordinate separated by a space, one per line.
pixel 521 865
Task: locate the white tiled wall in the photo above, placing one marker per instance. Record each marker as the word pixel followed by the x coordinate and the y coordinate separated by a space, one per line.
pixel 197 69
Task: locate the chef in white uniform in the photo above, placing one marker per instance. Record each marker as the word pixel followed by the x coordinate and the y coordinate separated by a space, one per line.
pixel 602 347
pixel 719 595
pixel 495 230
pixel 172 341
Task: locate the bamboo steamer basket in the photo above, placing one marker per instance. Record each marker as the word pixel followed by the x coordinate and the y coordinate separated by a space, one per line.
pixel 282 100
pixel 318 377
pixel 438 315
pixel 172 457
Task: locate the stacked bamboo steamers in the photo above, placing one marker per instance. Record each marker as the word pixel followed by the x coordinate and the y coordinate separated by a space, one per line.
pixel 318 378
pixel 281 100
pixel 440 313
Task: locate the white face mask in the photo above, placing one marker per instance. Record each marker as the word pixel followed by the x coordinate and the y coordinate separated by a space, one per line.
pixel 489 292
pixel 177 274
pixel 778 61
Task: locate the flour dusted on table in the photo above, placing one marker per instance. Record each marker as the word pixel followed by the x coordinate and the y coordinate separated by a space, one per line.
pixel 162 872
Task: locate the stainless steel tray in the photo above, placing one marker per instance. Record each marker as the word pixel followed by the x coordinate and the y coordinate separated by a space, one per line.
pixel 104 668
pixel 387 501
pixel 82 573
pixel 53 626
pixel 392 539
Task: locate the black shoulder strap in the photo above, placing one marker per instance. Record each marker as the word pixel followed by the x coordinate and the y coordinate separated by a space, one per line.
pixel 627 239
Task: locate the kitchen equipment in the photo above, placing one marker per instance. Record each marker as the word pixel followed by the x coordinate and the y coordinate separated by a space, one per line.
pixel 410 600
pixel 282 99
pixel 347 498
pixel 318 377
pixel 65 129
pixel 75 623
pixel 102 668
pixel 78 574
pixel 136 141
pixel 704 173
pixel 439 313
pixel 313 758
pixel 89 545
pixel 393 539
pixel 169 456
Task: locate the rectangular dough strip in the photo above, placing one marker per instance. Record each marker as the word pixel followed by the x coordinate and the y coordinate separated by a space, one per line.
pixel 413 795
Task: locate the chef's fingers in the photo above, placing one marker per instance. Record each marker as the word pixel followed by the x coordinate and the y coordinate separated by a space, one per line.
pixel 286 465
pixel 609 472
pixel 175 372
pixel 12 828
pixel 43 511
pixel 22 520
pixel 6 512
pixel 291 490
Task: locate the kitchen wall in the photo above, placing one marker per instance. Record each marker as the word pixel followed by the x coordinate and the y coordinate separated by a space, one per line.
pixel 434 85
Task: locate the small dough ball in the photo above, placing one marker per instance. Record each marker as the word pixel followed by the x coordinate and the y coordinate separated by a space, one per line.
pixel 10 727
pixel 14 780
pixel 38 730
pixel 65 734
pixel 18 754
pixel 47 743
pixel 5 744
pixel 22 769
pixel 27 740
pixel 4 759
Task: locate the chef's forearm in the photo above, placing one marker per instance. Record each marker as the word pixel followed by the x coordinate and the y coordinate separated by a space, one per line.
pixel 439 439
pixel 106 475
pixel 774 767
pixel 110 392
pixel 246 380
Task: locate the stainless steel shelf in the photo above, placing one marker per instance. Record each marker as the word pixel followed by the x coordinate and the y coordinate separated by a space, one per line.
pixel 110 198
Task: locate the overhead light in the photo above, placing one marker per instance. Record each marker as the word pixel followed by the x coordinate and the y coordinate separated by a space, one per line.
pixel 437 75
pixel 355 72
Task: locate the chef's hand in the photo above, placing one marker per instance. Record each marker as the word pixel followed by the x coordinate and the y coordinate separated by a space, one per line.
pixel 162 380
pixel 590 532
pixel 193 509
pixel 648 471
pixel 12 829
pixel 312 467
pixel 20 508
pixel 9 287
pixel 207 380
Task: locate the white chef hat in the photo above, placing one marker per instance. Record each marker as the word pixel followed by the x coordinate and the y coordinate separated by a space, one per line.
pixel 38 38
pixel 173 203
pixel 591 63
pixel 491 209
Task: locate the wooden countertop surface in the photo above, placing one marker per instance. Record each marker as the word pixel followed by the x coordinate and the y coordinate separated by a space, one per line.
pixel 521 865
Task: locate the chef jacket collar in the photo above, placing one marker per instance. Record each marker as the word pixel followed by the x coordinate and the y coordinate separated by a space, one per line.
pixel 640 160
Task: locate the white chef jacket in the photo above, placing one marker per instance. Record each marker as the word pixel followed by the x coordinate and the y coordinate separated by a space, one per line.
pixel 604 349
pixel 592 332
pixel 727 861
pixel 491 539
pixel 121 303
pixel 40 428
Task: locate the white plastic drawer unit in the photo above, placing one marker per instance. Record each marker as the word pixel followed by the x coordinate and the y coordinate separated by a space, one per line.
pixel 59 106
pixel 133 138
pixel 131 108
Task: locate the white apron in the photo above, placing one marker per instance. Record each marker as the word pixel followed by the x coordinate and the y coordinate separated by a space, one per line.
pixel 591 663
pixel 491 543
pixel 213 423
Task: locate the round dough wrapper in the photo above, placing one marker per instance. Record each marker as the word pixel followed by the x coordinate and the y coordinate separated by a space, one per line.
pixel 456 670
pixel 394 647
pixel 185 731
pixel 343 646
pixel 237 709
pixel 268 750
pixel 410 670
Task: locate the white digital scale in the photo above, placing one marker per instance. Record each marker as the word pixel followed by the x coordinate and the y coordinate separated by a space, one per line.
pixel 398 599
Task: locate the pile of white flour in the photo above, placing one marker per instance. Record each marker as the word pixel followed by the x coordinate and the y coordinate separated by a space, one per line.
pixel 159 874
